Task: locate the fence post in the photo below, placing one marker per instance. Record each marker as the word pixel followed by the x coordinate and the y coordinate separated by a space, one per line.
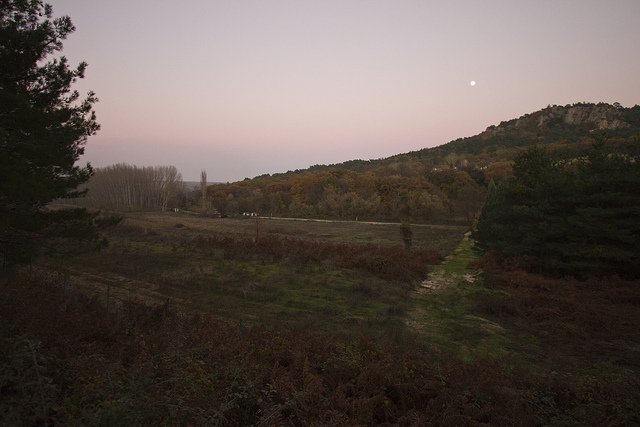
pixel 168 306
pixel 64 283
pixel 108 295
pixel 241 328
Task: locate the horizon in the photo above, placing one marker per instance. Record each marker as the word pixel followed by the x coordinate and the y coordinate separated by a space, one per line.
pixel 246 89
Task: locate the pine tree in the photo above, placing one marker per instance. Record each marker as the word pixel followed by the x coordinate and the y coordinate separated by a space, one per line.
pixel 44 126
pixel 579 217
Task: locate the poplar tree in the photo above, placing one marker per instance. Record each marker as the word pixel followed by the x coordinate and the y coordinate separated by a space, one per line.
pixel 203 190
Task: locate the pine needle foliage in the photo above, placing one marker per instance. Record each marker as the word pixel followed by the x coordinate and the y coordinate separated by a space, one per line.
pixel 578 216
pixel 44 125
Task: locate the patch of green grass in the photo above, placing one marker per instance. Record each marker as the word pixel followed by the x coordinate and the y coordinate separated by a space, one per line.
pixel 449 318
pixel 451 322
pixel 272 294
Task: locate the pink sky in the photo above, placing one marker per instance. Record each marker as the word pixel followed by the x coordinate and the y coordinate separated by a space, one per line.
pixel 243 88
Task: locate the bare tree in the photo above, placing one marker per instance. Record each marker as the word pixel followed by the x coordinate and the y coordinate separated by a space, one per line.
pixel 126 187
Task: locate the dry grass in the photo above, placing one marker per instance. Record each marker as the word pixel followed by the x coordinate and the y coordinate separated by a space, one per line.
pixel 597 319
pixel 142 367
pixel 440 238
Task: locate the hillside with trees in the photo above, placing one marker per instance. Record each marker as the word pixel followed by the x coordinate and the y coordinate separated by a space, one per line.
pixel 444 184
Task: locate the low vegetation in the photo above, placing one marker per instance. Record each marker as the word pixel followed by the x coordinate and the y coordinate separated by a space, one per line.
pixel 255 336
pixel 595 320
pixel 65 362
pixel 284 275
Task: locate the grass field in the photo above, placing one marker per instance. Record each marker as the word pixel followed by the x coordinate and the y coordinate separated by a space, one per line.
pixel 441 238
pixel 285 322
pixel 156 256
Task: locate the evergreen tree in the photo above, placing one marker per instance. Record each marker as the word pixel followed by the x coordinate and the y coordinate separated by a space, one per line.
pixel 579 217
pixel 605 214
pixel 44 126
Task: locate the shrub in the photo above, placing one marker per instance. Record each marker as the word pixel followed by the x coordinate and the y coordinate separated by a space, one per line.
pixel 386 262
pixel 143 368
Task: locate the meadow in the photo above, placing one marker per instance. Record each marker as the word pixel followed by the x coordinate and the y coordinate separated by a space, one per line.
pixel 184 320
pixel 334 275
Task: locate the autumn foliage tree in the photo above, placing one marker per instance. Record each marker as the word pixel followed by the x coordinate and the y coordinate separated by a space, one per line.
pixel 399 190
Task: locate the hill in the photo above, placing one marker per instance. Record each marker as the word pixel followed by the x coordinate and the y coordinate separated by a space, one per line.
pixel 560 128
pixel 444 184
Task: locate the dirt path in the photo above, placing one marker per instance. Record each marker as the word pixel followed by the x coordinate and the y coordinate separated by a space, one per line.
pixel 443 311
pixel 447 274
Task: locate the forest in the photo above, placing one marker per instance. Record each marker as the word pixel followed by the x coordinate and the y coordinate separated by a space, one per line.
pixel 572 216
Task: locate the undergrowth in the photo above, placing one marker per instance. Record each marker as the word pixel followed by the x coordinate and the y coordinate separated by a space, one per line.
pixel 62 362
pixel 385 262
pixel 274 280
pixel 596 319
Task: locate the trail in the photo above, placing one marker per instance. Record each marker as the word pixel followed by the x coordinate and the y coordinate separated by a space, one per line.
pixel 446 275
pixel 443 311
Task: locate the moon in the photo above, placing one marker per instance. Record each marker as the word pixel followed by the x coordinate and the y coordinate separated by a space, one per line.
pixel 473 83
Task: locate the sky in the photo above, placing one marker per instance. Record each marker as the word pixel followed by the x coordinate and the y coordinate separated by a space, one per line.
pixel 241 88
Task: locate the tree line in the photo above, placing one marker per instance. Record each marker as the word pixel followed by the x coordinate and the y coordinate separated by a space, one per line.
pixel 407 190
pixel 401 190
pixel 129 187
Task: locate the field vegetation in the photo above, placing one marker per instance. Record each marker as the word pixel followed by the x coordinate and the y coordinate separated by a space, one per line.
pixel 275 322
pixel 265 271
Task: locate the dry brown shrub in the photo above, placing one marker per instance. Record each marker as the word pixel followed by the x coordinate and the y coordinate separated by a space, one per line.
pixel 593 317
pixel 157 369
pixel 386 262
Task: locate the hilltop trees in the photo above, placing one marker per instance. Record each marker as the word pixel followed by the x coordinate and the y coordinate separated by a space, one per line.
pixel 43 124
pixel 578 217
